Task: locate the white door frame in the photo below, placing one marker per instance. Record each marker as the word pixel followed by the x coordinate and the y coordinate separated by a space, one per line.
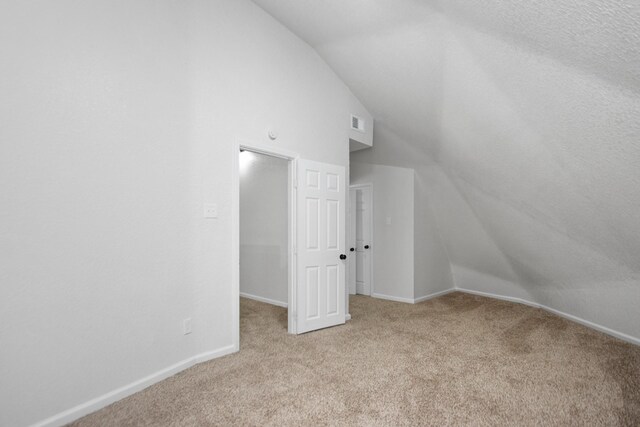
pixel 372 246
pixel 292 158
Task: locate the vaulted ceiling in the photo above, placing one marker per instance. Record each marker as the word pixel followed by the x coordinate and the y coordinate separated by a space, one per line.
pixel 523 120
pixel 386 51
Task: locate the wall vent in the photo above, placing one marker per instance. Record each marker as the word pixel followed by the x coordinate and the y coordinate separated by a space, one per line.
pixel 357 123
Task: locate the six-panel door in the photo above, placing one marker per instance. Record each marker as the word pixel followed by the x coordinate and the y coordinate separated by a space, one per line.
pixel 320 299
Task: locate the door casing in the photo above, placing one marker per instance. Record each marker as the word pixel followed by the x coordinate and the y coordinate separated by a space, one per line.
pixel 292 159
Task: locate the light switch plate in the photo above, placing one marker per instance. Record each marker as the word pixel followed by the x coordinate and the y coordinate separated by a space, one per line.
pixel 210 210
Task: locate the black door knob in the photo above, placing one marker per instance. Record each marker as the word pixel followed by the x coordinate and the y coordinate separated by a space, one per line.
pixel 366 246
pixel 352 249
pixel 343 256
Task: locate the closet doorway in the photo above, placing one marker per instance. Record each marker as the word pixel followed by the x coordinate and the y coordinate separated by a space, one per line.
pixel 264 227
pixel 310 210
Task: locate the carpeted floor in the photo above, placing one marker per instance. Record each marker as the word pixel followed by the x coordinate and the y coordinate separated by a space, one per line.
pixel 458 359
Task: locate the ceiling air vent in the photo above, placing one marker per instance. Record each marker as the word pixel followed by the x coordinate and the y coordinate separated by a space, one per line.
pixel 357 123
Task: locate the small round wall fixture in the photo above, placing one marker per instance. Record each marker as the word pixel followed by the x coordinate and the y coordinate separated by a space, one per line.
pixel 273 134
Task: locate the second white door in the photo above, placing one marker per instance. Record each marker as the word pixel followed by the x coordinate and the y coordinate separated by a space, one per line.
pixel 361 245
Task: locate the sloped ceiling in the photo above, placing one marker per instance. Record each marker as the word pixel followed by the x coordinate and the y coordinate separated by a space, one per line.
pixel 599 36
pixel 388 52
pixel 527 117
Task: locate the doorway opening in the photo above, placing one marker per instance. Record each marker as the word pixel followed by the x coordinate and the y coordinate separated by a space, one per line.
pixel 315 250
pixel 263 227
pixel 264 231
pixel 361 239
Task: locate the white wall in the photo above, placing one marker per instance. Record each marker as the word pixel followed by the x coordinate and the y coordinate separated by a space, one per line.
pixel 96 247
pixel 545 152
pixel 264 227
pixel 118 120
pixel 392 57
pixel 521 122
pixel 392 247
pixel 432 273
pixel 250 74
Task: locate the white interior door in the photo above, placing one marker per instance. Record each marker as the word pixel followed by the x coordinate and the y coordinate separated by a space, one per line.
pixel 363 241
pixel 351 256
pixel 321 217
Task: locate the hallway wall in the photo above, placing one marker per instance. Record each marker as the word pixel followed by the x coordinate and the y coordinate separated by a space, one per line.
pixel 393 228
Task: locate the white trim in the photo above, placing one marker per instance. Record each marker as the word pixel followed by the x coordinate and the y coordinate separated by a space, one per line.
pixel 292 294
pixel 393 298
pixel 235 247
pixel 292 158
pixel 414 300
pixel 587 323
pixel 263 299
pixel 106 399
pixel 347 317
pixel 210 355
pixel 267 149
pixel 500 297
pixel 433 295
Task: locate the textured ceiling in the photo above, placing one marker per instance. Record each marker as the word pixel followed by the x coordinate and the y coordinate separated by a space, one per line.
pixel 601 36
pixel 531 110
pixel 390 52
pixel 321 22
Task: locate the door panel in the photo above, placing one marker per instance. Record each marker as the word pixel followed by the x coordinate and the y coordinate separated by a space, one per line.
pixel 313 302
pixel 320 299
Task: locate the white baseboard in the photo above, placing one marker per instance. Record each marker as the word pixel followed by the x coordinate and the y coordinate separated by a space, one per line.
pixel 500 297
pixel 433 295
pixel 413 300
pixel 262 299
pixel 587 323
pixel 393 298
pixel 100 402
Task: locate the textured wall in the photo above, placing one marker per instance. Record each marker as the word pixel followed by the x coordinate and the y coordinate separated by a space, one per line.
pixel 521 121
pixel 548 157
pixel 599 37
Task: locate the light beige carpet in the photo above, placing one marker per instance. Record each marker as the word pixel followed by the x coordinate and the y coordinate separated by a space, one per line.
pixel 458 359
